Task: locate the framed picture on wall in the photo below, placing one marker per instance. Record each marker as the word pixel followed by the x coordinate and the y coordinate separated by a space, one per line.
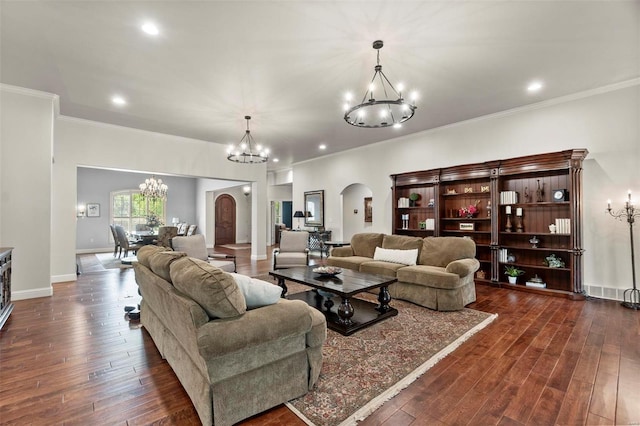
pixel 368 209
pixel 93 210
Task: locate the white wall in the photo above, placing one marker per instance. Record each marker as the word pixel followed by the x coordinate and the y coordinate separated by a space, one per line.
pixel 352 200
pixel 26 143
pixel 86 143
pixel 605 121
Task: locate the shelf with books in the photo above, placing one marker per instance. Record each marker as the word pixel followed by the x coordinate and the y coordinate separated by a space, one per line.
pixel 537 197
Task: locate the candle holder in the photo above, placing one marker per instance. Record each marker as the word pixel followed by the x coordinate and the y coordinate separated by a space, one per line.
pixel 631 296
pixel 519 227
pixel 507 226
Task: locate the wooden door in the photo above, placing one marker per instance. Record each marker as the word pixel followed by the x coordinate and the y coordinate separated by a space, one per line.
pixel 225 220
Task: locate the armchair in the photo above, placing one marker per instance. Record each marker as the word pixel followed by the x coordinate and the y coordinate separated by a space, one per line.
pixel 195 246
pixel 293 250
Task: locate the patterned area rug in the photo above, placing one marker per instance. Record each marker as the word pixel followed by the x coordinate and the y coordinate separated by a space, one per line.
pixel 362 371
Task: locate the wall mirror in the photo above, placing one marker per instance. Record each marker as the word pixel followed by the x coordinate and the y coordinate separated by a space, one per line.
pixel 314 208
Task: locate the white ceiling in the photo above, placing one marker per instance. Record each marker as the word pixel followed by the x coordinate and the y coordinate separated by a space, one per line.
pixel 289 63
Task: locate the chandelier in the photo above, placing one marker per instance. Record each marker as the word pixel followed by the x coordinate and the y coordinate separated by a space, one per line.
pixel 372 112
pixel 153 188
pixel 247 151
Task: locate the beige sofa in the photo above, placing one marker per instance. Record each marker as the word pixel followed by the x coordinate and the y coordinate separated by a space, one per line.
pixel 441 279
pixel 233 362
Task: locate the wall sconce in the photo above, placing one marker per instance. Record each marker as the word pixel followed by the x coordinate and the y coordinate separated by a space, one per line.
pixel 246 190
pixel 81 210
pixel 175 221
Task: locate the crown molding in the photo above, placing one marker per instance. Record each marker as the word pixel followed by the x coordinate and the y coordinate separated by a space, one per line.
pixel 55 99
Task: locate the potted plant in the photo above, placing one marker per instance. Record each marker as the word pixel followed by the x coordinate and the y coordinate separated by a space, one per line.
pixel 512 273
pixel 413 197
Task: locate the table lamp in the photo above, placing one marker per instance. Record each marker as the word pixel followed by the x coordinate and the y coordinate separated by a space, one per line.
pixel 298 214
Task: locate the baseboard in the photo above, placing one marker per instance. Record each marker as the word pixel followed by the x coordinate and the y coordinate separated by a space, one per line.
pixel 31 294
pixel 63 278
pixel 94 250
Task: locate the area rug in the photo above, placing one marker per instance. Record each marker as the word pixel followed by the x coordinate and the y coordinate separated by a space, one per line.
pixel 362 371
pixel 99 262
pixel 244 246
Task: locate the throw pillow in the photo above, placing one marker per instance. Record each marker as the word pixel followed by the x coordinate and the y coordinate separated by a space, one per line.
pixel 257 293
pixel 404 257
pixel 212 288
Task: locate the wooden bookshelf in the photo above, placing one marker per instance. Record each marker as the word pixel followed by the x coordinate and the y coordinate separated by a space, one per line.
pixel 538 189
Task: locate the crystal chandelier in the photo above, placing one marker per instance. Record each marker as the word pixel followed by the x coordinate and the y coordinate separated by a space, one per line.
pixel 153 188
pixel 372 112
pixel 247 151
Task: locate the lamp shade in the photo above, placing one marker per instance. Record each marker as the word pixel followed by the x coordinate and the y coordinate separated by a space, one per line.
pixel 298 213
pixel 308 214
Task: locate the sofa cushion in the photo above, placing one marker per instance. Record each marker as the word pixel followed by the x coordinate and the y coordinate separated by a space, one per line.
pixel 405 257
pixel 387 269
pixel 365 244
pixel 402 242
pixel 440 251
pixel 215 290
pixel 160 261
pixel 257 293
pixel 145 252
pixel 429 276
pixel 351 262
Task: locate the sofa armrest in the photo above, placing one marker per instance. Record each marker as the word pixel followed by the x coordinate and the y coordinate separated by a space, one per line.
pixel 224 336
pixel 345 251
pixel 463 267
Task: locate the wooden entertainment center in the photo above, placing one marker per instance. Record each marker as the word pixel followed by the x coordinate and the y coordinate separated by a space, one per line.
pixel 537 191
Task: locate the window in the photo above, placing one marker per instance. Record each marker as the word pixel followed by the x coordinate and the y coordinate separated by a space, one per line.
pixel 129 208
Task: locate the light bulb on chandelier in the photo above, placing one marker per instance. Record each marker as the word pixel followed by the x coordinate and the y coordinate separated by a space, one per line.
pixel 153 188
pixel 391 112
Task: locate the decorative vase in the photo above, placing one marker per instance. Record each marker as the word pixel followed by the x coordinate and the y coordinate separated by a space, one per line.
pixel 513 280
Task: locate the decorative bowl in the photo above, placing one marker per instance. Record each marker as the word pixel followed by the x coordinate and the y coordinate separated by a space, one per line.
pixel 327 271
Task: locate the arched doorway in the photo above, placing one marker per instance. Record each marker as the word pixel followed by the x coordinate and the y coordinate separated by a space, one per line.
pixel 225 220
pixel 353 210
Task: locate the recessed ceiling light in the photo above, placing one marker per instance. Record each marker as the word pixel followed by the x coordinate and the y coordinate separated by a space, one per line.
pixel 534 86
pixel 275 160
pixel 150 28
pixel 322 146
pixel 118 100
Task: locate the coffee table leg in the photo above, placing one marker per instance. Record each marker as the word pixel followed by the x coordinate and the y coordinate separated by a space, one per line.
pixel 384 298
pixel 345 312
pixel 283 285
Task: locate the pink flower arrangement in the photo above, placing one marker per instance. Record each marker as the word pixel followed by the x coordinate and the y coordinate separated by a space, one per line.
pixel 469 211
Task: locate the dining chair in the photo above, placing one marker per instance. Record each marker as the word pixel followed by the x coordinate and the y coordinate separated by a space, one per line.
pixel 125 244
pixel 182 228
pixel 116 242
pixel 165 234
pixel 191 230
pixel 293 250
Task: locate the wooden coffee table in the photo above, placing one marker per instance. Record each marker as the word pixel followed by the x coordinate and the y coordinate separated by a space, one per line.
pixel 333 296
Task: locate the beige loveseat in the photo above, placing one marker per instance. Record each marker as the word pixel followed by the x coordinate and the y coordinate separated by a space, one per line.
pixel 441 279
pixel 233 362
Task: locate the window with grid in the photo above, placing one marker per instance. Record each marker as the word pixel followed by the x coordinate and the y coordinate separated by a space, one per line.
pixel 129 208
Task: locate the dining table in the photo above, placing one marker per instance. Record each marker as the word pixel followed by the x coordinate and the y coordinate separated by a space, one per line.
pixel 145 237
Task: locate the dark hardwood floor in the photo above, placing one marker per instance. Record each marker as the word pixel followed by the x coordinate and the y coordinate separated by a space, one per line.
pixel 75 359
